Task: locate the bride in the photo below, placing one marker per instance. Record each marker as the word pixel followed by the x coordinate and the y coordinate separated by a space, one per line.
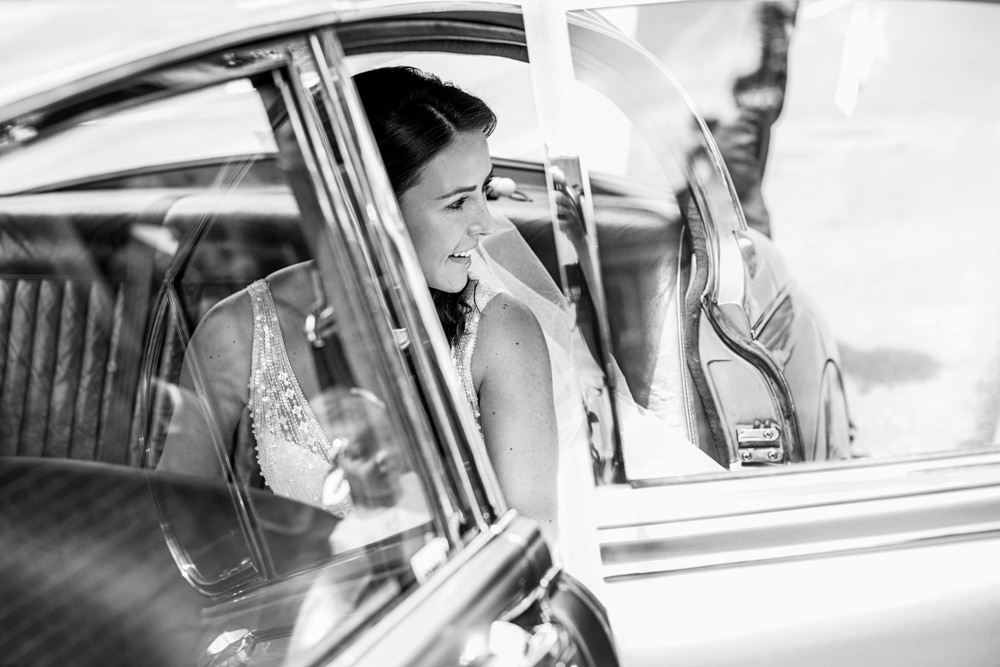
pixel 525 370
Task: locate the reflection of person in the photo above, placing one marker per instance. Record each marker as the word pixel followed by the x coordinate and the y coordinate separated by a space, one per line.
pixel 249 351
pixel 733 60
pixel 759 96
pixel 432 138
pixel 370 465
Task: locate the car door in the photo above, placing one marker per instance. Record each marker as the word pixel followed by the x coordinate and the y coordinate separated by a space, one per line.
pixel 504 579
pixel 867 562
pixel 292 182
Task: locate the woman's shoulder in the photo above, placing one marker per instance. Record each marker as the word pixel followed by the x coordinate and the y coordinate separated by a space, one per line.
pixel 293 287
pixel 290 289
pixel 509 329
pixel 482 293
pixel 506 310
pixel 286 287
pixel 511 368
pixel 234 310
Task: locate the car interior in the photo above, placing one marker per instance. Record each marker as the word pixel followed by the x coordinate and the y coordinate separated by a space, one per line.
pixel 81 273
pixel 73 335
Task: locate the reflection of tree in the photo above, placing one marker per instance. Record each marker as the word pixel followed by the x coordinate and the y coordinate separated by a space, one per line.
pixel 759 97
pixel 736 74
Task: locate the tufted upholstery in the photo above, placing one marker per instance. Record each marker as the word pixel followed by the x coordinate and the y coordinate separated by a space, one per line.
pixel 60 335
pixel 75 286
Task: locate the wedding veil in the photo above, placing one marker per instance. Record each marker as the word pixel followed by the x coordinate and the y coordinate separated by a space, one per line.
pixel 653 446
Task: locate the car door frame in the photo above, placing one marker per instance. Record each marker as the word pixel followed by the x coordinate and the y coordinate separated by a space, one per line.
pixel 506 572
pixel 800 551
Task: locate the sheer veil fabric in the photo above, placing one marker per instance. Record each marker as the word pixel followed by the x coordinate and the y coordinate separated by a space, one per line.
pixel 656 446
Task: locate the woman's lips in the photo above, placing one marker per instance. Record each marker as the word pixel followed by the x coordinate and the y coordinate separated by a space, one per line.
pixel 463 256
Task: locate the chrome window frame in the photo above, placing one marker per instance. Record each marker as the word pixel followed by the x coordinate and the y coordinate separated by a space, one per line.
pixel 377 233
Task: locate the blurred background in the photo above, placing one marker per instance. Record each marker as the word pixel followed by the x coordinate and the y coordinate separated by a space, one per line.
pixel 878 187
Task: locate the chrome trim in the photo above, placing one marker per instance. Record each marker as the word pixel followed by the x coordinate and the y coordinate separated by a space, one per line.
pixel 805 511
pixel 570 201
pixel 776 303
pixel 536 595
pixel 687 388
pixel 328 57
pixel 350 259
pixel 797 533
pixel 382 221
pixel 374 631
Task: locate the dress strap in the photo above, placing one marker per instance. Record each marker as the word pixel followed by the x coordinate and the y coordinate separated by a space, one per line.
pixel 480 294
pixel 293 450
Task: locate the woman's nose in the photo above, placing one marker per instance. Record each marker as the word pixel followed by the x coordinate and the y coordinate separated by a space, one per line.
pixel 483 224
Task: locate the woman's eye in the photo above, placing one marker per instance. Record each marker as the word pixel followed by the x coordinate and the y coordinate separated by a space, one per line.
pixel 457 204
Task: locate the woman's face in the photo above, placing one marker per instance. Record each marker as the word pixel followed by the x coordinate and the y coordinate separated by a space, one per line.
pixel 445 210
pixel 372 469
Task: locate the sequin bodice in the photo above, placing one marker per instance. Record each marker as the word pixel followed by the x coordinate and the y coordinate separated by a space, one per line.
pixel 294 453
pixel 465 342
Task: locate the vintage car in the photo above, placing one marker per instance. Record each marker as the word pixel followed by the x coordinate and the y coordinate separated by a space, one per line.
pixel 156 158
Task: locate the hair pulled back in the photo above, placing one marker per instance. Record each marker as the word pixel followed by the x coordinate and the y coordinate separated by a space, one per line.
pixel 414 116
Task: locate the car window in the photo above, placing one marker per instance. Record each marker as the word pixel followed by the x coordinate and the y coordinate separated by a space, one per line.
pixel 632 197
pixel 166 327
pixel 135 146
pixel 639 138
pixel 505 84
pixel 876 152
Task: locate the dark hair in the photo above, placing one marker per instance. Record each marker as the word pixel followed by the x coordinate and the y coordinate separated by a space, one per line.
pixel 414 116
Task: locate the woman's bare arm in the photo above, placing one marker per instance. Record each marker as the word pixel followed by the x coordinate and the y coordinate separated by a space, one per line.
pixel 213 389
pixel 510 367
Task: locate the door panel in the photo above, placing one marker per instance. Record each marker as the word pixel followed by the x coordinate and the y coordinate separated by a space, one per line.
pixel 503 576
pixel 853 565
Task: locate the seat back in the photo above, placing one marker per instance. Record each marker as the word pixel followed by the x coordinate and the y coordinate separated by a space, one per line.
pixel 639 246
pixel 69 342
pixel 79 275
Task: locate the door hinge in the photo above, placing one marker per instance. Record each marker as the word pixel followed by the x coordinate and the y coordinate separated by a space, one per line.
pixel 759 443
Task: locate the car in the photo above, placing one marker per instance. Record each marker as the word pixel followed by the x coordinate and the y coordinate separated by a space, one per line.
pixel 156 158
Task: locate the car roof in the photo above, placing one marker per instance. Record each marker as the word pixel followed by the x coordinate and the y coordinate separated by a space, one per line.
pixel 51 49
pixel 54 48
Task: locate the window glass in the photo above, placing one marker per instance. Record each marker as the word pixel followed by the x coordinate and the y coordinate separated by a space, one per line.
pixel 505 85
pixel 142 147
pixel 639 228
pixel 325 485
pixel 877 190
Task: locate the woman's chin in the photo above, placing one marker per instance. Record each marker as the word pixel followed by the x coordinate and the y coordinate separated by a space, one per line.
pixel 453 284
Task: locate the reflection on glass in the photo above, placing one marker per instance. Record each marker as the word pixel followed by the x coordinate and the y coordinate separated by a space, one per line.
pixel 321 491
pixel 877 141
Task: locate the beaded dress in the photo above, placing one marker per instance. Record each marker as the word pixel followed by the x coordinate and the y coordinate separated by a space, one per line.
pixel 293 451
pixel 465 341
